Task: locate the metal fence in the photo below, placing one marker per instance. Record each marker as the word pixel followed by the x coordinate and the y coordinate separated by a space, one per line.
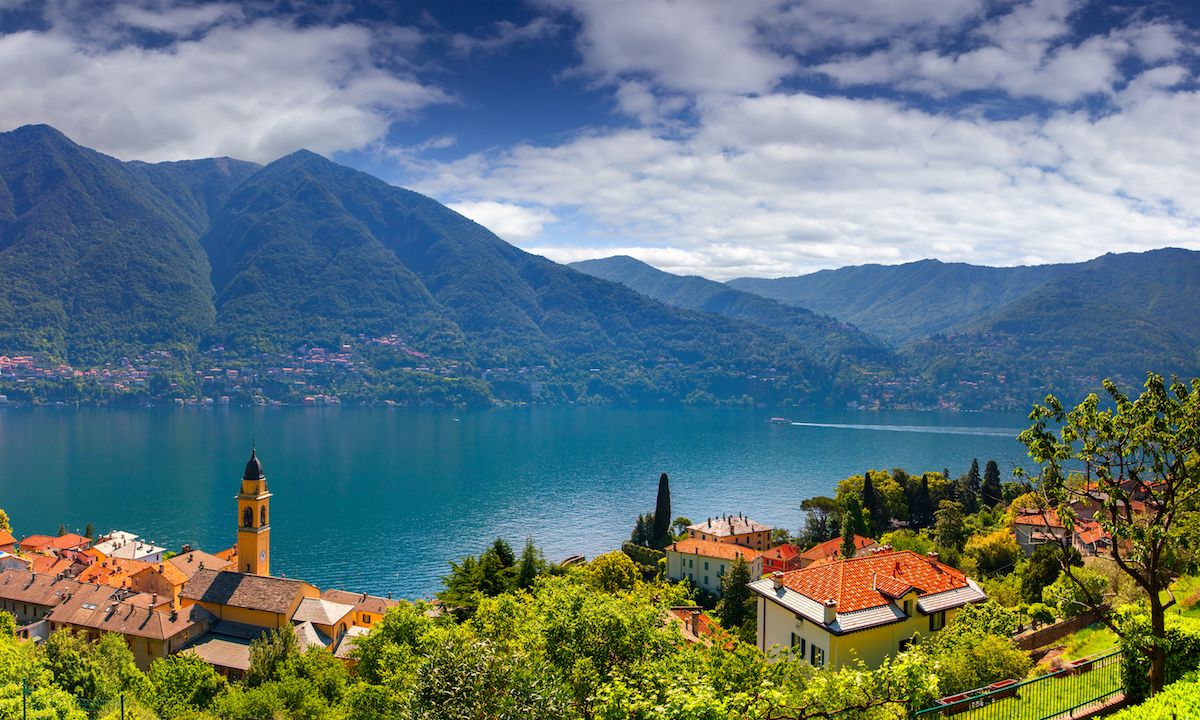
pixel 1067 693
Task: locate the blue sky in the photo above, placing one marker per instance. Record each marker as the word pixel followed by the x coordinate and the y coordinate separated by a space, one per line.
pixel 757 137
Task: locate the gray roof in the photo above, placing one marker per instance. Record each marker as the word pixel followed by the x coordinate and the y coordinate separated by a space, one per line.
pixel 322 612
pixel 223 651
pixel 253 592
pixel 868 618
pixel 729 525
pixel 951 598
pixel 346 644
pixel 802 605
pixel 308 636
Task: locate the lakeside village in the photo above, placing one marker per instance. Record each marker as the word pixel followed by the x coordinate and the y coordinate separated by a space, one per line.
pixel 851 597
pixel 903 596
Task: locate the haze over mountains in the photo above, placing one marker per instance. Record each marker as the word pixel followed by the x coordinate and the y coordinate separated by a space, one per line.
pixel 102 259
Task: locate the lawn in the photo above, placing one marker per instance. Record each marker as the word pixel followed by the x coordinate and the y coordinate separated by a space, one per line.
pixel 1091 640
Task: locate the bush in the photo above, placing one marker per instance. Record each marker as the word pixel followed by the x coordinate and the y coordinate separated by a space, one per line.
pixel 1070 599
pixel 1180 699
pixel 1182 646
pixel 1040 614
pixel 995 553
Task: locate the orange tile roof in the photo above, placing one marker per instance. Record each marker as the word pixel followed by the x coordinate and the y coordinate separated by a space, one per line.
pixel 49 565
pixel 783 553
pixel 113 572
pixel 1037 519
pixel 833 548
pixel 61 542
pixel 6 538
pixel 714 549
pixel 873 580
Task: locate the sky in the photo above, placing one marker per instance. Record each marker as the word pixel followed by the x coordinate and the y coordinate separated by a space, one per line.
pixel 710 137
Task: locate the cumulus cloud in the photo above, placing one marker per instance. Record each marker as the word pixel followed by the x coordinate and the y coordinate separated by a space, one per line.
pixel 223 85
pixel 511 222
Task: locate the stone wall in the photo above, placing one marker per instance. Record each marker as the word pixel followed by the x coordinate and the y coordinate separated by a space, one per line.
pixel 1050 633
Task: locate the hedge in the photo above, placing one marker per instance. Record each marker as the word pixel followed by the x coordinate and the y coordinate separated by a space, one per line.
pixel 1177 701
pixel 1183 655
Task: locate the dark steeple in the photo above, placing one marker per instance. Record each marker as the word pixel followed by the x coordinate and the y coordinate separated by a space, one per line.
pixel 253 468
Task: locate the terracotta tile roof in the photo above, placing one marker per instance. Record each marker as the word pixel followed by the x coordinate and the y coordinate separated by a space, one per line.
pixel 855 584
pixel 782 553
pixel 229 554
pixel 729 525
pixel 362 602
pixel 6 538
pixel 695 626
pixel 26 587
pixel 253 592
pixel 1037 519
pixel 189 563
pixel 35 543
pixel 114 572
pixel 83 610
pixel 833 548
pixel 713 549
pixel 49 564
pixel 52 542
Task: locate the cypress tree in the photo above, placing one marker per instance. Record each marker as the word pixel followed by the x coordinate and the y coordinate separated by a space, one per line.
pixel 992 493
pixel 848 547
pixel 922 507
pixel 871 503
pixel 662 512
pixel 973 480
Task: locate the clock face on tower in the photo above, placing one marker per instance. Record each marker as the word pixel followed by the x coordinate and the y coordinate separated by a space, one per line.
pixel 262 555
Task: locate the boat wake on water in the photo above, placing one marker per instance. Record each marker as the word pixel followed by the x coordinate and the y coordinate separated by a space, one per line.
pixel 929 429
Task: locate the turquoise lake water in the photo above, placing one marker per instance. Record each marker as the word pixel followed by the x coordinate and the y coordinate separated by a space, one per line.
pixel 378 500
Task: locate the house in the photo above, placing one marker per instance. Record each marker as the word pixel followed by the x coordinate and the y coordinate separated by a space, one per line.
pixel 330 620
pixel 8 543
pixel 783 558
pixel 114 572
pixel 126 545
pixel 694 625
pixel 52 543
pixel 193 561
pixel 705 562
pixel 1090 539
pixel 342 651
pixel 368 609
pixel 832 549
pixel 46 564
pixel 1033 527
pixel 257 600
pixel 150 634
pixel 864 608
pixel 162 579
pixel 30 597
pixel 733 529
pixel 8 561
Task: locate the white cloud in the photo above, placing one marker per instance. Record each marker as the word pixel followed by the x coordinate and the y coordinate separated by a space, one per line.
pixel 514 223
pixel 789 183
pixel 504 34
pixel 254 90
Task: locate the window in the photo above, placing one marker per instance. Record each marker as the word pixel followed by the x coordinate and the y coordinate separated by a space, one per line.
pixel 247 517
pixel 908 608
pixel 817 657
pixel 905 644
pixel 937 621
pixel 799 644
pixel 262 516
pixel 721 570
pixel 705 564
pixel 705 579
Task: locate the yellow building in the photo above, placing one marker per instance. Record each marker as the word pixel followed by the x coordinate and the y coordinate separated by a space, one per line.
pixel 368 609
pixel 733 529
pixel 865 608
pixel 254 527
pixel 257 600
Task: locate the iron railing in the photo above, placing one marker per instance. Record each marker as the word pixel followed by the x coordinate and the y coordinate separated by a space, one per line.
pixel 1067 693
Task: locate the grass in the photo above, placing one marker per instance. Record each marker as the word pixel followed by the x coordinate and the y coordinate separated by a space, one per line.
pixel 1089 641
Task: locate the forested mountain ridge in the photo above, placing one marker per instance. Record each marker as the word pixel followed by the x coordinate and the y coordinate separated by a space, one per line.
pixel 107 259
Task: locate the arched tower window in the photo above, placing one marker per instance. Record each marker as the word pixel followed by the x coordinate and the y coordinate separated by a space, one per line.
pixel 247 518
pixel 262 515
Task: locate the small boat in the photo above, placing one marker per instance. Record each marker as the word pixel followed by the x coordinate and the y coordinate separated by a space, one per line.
pixel 780 421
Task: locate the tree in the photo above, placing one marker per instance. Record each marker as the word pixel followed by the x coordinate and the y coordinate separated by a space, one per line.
pixel 921 509
pixel 853 518
pixel 643 530
pixel 270 654
pixel 1043 567
pixel 948 525
pixel 531 564
pixel 183 684
pixel 974 482
pixel 662 513
pixel 737 602
pixel 62 530
pixel 848 549
pixel 994 553
pixel 89 532
pixel 680 525
pixel 992 493
pixel 4 523
pixel 1070 597
pixel 614 571
pixel 1145 448
pixel 876 523
pixel 819 520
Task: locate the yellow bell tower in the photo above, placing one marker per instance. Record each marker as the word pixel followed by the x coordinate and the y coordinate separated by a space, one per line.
pixel 254 528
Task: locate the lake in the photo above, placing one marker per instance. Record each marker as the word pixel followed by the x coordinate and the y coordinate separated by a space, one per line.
pixel 379 499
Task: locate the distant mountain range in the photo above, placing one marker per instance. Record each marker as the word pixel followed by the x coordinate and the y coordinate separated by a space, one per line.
pixel 975 336
pixel 102 259
pixel 221 277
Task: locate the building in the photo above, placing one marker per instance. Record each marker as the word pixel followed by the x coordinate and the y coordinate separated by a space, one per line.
pixel 832 549
pixel 368 609
pixel 1034 527
pixel 733 529
pixel 782 558
pixel 8 561
pixel 329 619
pixel 193 561
pixel 865 608
pixel 254 528
pixel 162 579
pixel 8 543
pixel 54 543
pixel 114 572
pixel 704 562
pixel 126 545
pixel 694 625
pixel 258 600
pixel 30 597
pixel 150 633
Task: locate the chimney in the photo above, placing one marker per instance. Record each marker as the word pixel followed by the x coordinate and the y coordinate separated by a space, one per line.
pixel 830 611
pixel 696 623
pixel 174 614
pixel 777 579
pixel 153 599
pixel 710 522
pixel 933 555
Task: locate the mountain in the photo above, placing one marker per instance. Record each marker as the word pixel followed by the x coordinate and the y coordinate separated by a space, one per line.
pixel 99 257
pixel 824 337
pixel 102 259
pixel 902 302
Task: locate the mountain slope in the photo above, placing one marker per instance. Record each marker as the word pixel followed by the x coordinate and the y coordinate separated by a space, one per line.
pixel 901 303
pixel 821 336
pixel 306 248
pixel 95 259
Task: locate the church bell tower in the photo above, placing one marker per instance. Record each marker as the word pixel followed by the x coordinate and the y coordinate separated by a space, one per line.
pixel 254 528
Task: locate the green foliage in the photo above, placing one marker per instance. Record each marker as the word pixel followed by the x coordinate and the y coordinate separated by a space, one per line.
pixel 948 525
pixel 8 624
pixel 4 523
pixel 1040 614
pixel 905 539
pixel 991 493
pixel 994 553
pixel 648 560
pixel 643 530
pixel 1073 597
pixel 495 571
pixel 614 571
pixel 737 604
pixel 271 654
pixel 1180 699
pixel 974 649
pixel 662 513
pixel 1043 568
pixel 1180 644
pixel 183 684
